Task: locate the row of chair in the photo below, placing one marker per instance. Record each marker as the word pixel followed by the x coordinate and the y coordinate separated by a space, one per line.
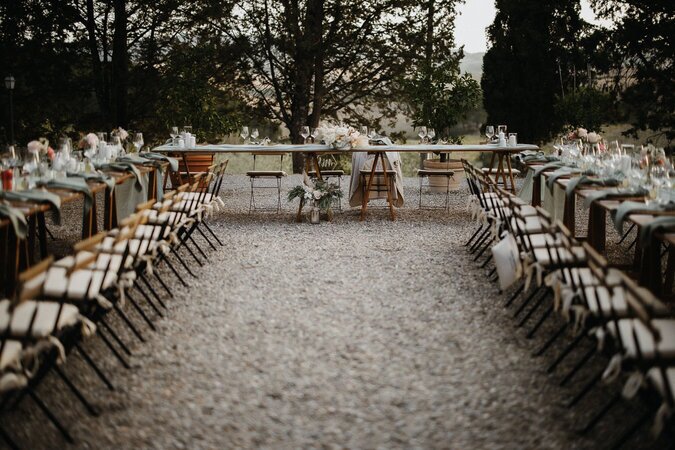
pixel 600 310
pixel 62 303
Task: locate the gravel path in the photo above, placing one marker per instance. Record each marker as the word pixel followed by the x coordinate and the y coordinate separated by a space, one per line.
pixel 345 335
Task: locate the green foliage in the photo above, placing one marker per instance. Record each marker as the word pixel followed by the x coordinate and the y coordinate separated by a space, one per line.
pixel 587 107
pixel 639 56
pixel 327 192
pixel 531 40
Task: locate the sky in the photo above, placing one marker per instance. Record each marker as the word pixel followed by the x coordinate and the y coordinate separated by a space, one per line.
pixel 475 16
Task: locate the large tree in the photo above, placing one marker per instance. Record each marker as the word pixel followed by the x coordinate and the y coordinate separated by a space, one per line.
pixel 532 42
pixel 311 59
pixel 639 57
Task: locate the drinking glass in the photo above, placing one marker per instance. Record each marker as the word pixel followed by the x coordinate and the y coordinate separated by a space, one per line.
pixel 244 133
pixel 364 130
pixel 187 128
pixel 501 129
pixel 174 134
pixel 304 132
pixel 371 134
pixel 254 134
pixel 489 132
pixel 138 141
pixel 422 134
pixel 431 133
pixel 314 133
pixel 102 137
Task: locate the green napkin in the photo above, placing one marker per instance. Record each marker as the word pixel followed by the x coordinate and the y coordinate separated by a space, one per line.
pixel 36 196
pixel 604 195
pixel 17 218
pixel 585 180
pixel 553 165
pixel 563 171
pixel 659 224
pixel 173 162
pixel 101 177
pixel 124 166
pixel 75 185
pixel 626 208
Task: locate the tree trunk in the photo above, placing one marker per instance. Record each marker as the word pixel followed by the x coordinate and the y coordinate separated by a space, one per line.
pixel 120 63
pixel 97 66
pixel 427 107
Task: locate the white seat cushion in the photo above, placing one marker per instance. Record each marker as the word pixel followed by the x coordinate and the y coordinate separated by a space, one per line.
pixel 104 261
pixel 19 320
pixel 543 239
pixel 559 255
pixel 601 302
pixel 645 339
pixel 11 353
pixel 529 224
pixel 81 284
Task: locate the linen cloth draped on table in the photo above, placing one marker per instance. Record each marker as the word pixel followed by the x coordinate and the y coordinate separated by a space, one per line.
pixel 16 218
pixel 364 161
pixel 36 196
pixel 131 192
pixel 76 185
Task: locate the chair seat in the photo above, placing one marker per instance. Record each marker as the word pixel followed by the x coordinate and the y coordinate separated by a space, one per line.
pixel 104 261
pixel 528 225
pixel 378 172
pixel 603 303
pixel 559 255
pixel 47 318
pixel 11 352
pixel 631 330
pixel 438 172
pixel 266 173
pixel 327 173
pixel 81 284
pixel 542 240
pixel 656 376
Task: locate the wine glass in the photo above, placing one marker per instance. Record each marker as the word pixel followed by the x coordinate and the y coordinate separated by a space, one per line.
pixel 244 133
pixel 422 134
pixel 254 134
pixel 489 132
pixel 304 132
pixel 314 133
pixel 372 133
pixel 174 133
pixel 431 133
pixel 187 128
pixel 364 130
pixel 138 141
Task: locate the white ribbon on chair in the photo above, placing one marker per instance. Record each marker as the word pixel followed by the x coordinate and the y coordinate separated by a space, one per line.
pixel 633 384
pixel 581 314
pixel 613 369
pixel 103 302
pixel 532 268
pixel 662 416
pixel 126 280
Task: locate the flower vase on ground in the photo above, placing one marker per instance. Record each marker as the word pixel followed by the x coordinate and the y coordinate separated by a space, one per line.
pixel 314 214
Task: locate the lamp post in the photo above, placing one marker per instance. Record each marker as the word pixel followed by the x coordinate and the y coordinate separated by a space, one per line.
pixel 9 84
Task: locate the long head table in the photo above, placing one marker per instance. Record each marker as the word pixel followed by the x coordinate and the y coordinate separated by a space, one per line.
pixel 317 148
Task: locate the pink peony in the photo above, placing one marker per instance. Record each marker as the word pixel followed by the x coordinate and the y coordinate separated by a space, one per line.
pixel 34 146
pixel 50 153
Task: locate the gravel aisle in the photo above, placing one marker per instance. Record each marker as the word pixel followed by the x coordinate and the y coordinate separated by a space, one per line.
pixel 345 335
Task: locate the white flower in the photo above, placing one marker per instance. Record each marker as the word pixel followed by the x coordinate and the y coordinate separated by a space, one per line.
pixel 593 137
pixel 92 140
pixel 122 133
pixel 582 133
pixel 34 146
pixel 318 194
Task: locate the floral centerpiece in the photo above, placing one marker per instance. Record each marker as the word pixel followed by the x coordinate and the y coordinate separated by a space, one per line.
pixel 320 194
pixel 341 137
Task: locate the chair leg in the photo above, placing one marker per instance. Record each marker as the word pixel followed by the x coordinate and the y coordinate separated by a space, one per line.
pixel 572 345
pixel 95 367
pixel 586 389
pixel 148 300
pixel 213 247
pixel 578 366
pixel 88 406
pixel 115 337
pixel 199 249
pixel 208 228
pixel 161 282
pixel 515 295
pixel 600 414
pixel 527 300
pixel 536 305
pixel 141 312
pixel 152 290
pixel 550 341
pixel 182 262
pixel 52 418
pixel 8 440
pixel 642 420
pixel 540 322
pixel 473 236
pixel 128 322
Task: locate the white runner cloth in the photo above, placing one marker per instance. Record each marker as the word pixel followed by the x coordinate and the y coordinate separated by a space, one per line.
pixel 365 161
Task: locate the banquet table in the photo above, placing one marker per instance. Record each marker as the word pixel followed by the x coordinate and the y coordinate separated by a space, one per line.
pixel 15 255
pixel 500 155
pixel 647 261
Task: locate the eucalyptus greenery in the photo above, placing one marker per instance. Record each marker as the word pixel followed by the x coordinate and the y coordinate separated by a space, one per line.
pixel 322 194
